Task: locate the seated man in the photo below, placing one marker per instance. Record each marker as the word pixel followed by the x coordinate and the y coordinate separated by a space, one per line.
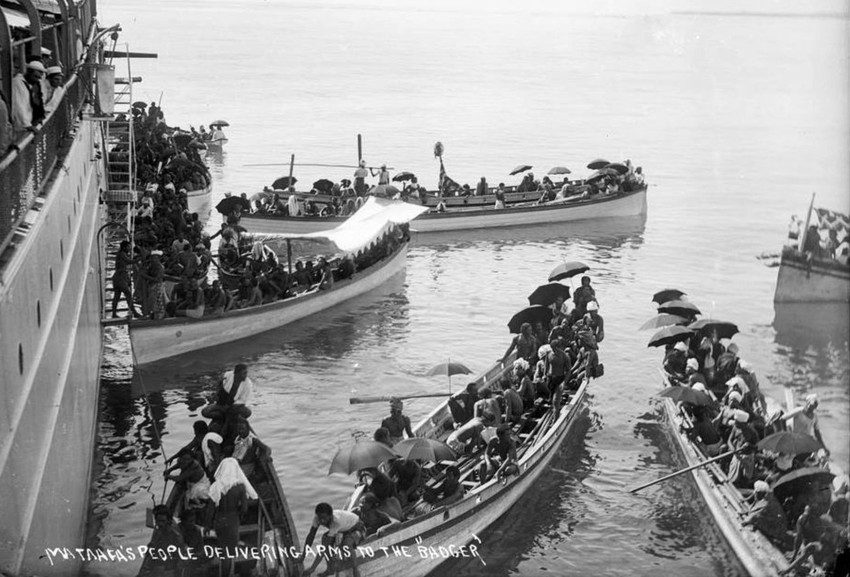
pixel 193 447
pixel 374 520
pixel 450 491
pixel 461 405
pixel 767 515
pixel 248 449
pixel 408 479
pixel 165 535
pixel 192 479
pixel 500 456
pixel 466 438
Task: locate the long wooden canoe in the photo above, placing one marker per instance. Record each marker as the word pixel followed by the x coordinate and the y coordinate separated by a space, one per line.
pixel 470 218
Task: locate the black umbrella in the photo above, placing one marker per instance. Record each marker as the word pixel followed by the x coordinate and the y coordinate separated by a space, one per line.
pixel 680 307
pixel 663 320
pixel 323 185
pixel 219 123
pixel 560 170
pixel 567 270
pixel 620 168
pixel 595 176
pixel 182 139
pixel 140 104
pixel 533 314
pixel 284 182
pixel 360 455
pixel 670 335
pixel 231 203
pixel 521 168
pixel 598 163
pixel 724 330
pixel 404 176
pixel 546 294
pixel 799 481
pixel 682 394
pixel 667 295
pixel 789 443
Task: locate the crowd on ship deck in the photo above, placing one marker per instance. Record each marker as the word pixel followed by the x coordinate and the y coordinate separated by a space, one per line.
pixel 733 415
pixel 828 242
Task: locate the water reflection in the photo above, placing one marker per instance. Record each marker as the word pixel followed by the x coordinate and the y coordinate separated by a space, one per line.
pixel 821 326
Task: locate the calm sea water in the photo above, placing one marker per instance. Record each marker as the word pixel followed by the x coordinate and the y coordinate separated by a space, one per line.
pixel 737 118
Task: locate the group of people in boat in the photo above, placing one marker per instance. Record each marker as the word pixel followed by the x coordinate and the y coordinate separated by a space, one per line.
pixel 808 525
pixel 830 244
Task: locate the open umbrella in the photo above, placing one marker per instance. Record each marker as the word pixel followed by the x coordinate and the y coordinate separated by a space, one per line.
pixel 323 185
pixel 667 295
pixel 560 170
pixel 789 443
pixel 262 195
pixel 424 449
pixel 360 455
pixel 800 480
pixel 403 176
pixel 680 307
pixel 595 176
pixel 620 168
pixel 449 368
pixel 219 123
pixel 284 182
pixel 567 270
pixel 686 395
pixel 140 104
pixel 546 294
pixel 230 203
pixel 597 164
pixel 669 335
pixel 532 314
pixel 663 320
pixel 724 330
pixel 521 168
pixel 384 190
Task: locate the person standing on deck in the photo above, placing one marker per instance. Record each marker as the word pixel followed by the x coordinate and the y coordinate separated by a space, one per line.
pixel 500 197
pixel 27 99
pixel 155 277
pixel 583 295
pixel 360 179
pixel 383 176
pixel 481 189
pixel 397 423
pixel 557 365
pixel 525 343
pixel 121 280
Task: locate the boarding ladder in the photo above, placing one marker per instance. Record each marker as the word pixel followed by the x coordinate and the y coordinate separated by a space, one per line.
pixel 121 194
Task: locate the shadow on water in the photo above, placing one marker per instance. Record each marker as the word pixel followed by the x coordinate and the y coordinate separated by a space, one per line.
pixel 331 333
pixel 550 512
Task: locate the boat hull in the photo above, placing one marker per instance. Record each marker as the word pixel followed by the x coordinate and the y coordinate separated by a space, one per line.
pixel 50 359
pixel 756 553
pixel 155 340
pixel 628 204
pixel 819 281
pixel 200 201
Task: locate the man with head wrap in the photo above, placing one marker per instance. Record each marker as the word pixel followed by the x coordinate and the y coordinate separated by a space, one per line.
pixel 767 515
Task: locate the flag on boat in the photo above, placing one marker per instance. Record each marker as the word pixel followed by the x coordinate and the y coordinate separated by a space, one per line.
pixel 830 220
pixel 446 184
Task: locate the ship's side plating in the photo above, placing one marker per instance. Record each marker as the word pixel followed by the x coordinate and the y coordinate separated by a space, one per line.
pixel 50 330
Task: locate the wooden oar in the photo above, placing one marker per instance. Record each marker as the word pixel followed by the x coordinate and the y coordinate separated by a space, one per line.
pixel 384 399
pixel 685 470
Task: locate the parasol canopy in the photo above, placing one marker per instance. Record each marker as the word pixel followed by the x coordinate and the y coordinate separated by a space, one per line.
pixel 801 480
pixel 403 176
pixel 424 450
pixel 360 455
pixel 323 185
pixel 724 330
pixel 533 314
pixel 140 104
pixel 680 307
pixel 597 164
pixel 567 270
pixel 219 123
pixel 789 443
pixel 384 190
pixel 231 203
pixel 284 182
pixel 682 394
pixel 560 170
pixel 663 320
pixel 547 294
pixel 620 168
pixel 450 368
pixel 670 335
pixel 667 295
pixel 521 168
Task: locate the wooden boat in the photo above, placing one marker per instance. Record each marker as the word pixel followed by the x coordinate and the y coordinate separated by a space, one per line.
pixel 152 340
pixel 199 201
pixel 474 217
pixel 448 527
pixel 804 277
pixel 268 521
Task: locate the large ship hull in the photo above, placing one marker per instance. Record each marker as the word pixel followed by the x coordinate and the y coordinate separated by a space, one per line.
pixel 628 204
pixel 817 281
pixel 50 358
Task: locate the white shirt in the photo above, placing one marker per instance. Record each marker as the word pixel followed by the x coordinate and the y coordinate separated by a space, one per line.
pixel 245 392
pixel 341 522
pixel 21 105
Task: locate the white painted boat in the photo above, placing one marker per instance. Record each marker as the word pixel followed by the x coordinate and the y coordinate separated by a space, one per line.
pixel 446 528
pixel 802 279
pixel 626 204
pixel 200 201
pixel 153 340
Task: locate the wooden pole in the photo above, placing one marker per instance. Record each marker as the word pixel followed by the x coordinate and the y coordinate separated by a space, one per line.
pixel 685 470
pixel 359 149
pixel 291 167
pixel 384 399
pixel 806 226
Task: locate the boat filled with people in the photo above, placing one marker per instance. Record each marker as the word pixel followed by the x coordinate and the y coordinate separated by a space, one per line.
pixel 472 458
pixel 761 467
pixel 320 270
pixel 815 262
pixel 613 190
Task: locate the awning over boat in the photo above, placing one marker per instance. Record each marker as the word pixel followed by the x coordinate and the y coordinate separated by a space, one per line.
pixel 360 230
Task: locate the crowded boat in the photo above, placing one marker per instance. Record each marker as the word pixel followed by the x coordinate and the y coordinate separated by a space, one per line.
pixel 767 462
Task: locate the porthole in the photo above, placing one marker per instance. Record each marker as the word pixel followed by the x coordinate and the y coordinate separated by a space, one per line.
pixel 21 358
pixel 51 280
pixel 38 312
